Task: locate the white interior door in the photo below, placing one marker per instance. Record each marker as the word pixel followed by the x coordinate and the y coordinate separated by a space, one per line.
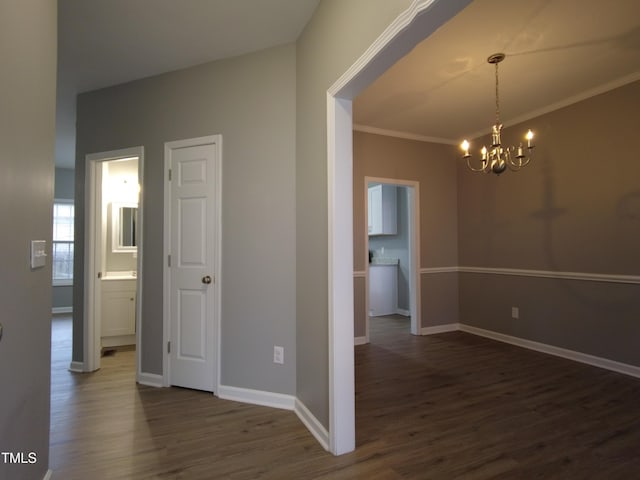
pixel 193 265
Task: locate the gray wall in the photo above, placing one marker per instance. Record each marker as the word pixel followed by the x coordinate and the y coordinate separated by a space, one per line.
pixel 337 34
pixel 575 209
pixel 64 183
pixel 27 96
pixel 250 101
pixel 63 190
pixel 434 166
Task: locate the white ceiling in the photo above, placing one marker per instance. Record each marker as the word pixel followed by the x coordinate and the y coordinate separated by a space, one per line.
pixel 556 50
pixel 444 89
pixel 107 42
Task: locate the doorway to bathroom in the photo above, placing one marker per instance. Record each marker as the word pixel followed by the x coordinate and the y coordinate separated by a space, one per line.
pixel 113 255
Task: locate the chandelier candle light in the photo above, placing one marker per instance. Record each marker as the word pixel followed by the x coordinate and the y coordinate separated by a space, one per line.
pixel 498 158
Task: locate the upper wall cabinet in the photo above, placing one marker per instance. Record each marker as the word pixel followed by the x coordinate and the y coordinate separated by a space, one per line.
pixel 382 210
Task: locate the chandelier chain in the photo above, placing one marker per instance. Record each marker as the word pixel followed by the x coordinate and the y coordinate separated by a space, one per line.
pixel 497 98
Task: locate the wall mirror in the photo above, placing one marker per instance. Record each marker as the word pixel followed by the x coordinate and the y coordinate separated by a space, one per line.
pixel 124 217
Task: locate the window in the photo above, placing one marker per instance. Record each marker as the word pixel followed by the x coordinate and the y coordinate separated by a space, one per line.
pixel 62 262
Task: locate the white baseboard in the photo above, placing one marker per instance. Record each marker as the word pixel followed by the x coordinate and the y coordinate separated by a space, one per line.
pixel 313 425
pixel 47 476
pixel 257 397
pixel 360 341
pixel 278 400
pixel 77 367
pixel 449 327
pixel 150 379
pixel 403 312
pixel 58 310
pixel 605 363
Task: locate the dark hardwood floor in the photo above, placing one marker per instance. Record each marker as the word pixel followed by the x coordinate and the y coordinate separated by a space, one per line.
pixel 448 406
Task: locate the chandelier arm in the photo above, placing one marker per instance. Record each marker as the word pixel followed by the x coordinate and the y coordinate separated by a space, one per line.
pixel 523 162
pixel 516 163
pixel 482 169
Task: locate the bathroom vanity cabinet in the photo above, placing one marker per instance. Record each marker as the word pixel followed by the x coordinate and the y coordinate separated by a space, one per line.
pixel 118 308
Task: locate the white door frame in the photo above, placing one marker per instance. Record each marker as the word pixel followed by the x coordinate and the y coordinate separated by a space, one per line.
pixel 166 331
pixel 414 249
pixel 94 254
pixel 421 19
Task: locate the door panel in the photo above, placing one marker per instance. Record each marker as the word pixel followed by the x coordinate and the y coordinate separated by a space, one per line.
pixel 192 325
pixel 192 213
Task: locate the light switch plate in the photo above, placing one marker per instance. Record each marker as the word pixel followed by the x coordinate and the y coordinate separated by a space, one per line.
pixel 38 253
pixel 278 354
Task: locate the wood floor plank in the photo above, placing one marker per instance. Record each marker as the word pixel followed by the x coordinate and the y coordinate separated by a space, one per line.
pixel 447 406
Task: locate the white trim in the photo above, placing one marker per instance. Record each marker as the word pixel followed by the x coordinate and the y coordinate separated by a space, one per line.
pixel 580 357
pixel 150 379
pixel 519 272
pixel 360 340
pixel 449 327
pixel 591 277
pixel 312 423
pixel 48 475
pixel 256 397
pixel 360 274
pixel 403 312
pixel 429 270
pixel 339 278
pixel 139 264
pixel 406 31
pixel 58 310
pixel 93 180
pixel 166 271
pixel 77 367
pixel 404 135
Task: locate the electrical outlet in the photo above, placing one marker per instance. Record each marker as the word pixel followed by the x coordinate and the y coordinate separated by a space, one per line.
pixel 515 312
pixel 278 354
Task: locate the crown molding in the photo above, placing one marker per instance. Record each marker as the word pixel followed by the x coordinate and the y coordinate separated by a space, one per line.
pixel 600 89
pixel 399 134
pixel 585 95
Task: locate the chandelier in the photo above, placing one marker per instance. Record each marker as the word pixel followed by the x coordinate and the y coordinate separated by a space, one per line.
pixel 498 158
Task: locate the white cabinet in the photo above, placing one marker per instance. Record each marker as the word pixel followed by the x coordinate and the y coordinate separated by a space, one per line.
pixel 118 308
pixel 383 290
pixel 382 210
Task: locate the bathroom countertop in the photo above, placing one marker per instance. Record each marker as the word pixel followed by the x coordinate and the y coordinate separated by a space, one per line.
pixel 119 276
